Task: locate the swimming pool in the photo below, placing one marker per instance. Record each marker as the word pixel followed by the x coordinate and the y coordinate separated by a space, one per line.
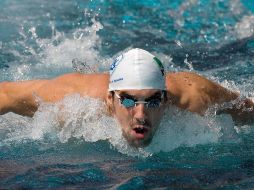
pixel 43 39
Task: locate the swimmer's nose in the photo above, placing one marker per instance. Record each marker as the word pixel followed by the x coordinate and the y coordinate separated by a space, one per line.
pixel 140 111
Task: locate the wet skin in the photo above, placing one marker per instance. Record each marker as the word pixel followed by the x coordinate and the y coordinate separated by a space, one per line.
pixel 138 123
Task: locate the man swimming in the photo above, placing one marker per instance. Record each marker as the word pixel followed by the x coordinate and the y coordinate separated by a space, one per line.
pixel 136 91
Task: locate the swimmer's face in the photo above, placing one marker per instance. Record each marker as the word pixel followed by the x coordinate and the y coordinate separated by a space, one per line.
pixel 139 122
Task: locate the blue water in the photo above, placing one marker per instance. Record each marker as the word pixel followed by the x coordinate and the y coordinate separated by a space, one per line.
pixel 43 39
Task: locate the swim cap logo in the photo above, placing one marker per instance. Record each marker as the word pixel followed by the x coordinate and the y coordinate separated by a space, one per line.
pixel 115 64
pixel 160 65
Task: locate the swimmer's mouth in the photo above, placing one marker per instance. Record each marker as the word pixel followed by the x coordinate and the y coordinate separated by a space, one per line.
pixel 140 129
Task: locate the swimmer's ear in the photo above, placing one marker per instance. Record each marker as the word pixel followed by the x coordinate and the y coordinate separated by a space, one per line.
pixel 109 103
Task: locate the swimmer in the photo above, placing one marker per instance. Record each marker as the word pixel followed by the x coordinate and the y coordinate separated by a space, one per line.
pixel 136 91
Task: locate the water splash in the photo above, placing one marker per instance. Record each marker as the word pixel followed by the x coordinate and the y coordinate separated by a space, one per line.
pixel 188 63
pixel 82 46
pixel 245 28
pixel 85 118
pixel 56 54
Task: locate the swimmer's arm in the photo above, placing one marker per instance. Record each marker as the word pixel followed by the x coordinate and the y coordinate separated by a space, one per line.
pixel 195 93
pixel 241 109
pixel 19 97
pixel 24 97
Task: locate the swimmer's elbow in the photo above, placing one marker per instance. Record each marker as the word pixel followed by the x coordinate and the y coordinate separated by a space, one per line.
pixel 23 109
pixel 12 101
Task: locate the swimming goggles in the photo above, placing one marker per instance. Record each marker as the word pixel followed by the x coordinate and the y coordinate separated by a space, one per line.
pixel 129 102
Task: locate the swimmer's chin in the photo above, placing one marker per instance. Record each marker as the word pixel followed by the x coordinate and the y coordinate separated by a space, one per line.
pixel 143 144
pixel 138 143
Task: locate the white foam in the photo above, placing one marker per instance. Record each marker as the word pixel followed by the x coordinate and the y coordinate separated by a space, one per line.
pixel 182 128
pixel 81 45
pixel 85 118
pixel 245 28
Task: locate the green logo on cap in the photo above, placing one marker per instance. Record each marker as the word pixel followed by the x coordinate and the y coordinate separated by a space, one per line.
pixel 160 65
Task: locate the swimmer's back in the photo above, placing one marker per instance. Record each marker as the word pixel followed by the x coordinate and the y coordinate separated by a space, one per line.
pixel 92 85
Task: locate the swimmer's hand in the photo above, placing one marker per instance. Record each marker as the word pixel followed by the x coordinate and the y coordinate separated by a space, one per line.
pixel 241 110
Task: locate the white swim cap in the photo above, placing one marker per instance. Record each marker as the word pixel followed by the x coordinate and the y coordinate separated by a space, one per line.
pixel 136 69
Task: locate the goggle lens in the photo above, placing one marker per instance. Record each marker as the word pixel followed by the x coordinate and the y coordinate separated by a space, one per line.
pixel 154 103
pixel 129 102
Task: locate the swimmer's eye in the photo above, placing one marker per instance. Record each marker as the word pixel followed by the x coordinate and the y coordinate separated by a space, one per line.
pixel 153 103
pixel 129 102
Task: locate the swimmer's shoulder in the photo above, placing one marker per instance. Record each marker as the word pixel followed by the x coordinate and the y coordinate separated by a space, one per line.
pixel 83 77
pixel 178 83
pixel 93 85
pixel 192 91
pixel 184 81
pixel 83 80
